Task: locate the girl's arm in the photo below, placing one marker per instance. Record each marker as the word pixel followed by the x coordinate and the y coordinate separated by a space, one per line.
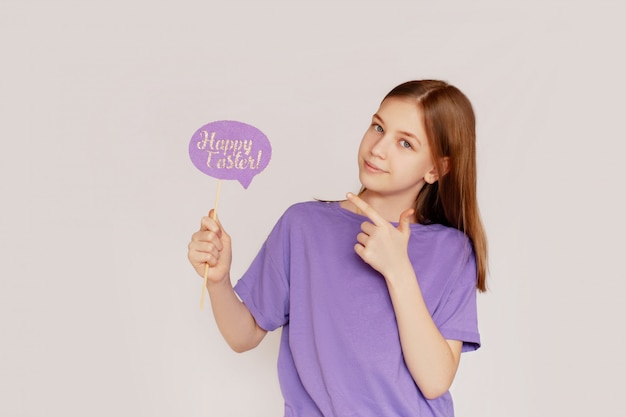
pixel 212 245
pixel 233 318
pixel 431 359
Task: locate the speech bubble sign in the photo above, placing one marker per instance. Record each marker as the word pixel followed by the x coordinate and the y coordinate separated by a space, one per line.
pixel 230 150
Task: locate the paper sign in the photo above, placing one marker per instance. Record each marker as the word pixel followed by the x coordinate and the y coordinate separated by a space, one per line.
pixel 230 150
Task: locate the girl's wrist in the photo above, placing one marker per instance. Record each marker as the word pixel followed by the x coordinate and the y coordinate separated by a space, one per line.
pixel 399 274
pixel 224 281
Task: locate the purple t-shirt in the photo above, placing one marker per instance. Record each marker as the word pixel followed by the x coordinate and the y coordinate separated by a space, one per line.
pixel 340 352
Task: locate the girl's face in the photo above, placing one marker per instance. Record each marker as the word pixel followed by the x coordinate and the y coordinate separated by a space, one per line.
pixel 394 155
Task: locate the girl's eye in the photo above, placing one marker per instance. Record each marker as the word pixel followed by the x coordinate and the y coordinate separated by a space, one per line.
pixel 378 128
pixel 405 144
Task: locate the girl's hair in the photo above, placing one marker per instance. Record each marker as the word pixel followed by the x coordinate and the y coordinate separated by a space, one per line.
pixel 451 128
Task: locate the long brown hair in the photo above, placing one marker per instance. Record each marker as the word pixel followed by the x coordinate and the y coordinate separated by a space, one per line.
pixel 451 128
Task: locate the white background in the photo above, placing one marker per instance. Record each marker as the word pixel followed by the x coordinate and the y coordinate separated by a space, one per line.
pixel 98 305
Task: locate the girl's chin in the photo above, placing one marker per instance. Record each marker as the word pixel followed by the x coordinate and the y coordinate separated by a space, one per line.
pixel 370 181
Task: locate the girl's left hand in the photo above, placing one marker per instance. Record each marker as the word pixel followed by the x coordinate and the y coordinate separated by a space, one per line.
pixel 382 245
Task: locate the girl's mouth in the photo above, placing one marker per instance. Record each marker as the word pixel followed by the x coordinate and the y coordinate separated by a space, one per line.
pixel 372 168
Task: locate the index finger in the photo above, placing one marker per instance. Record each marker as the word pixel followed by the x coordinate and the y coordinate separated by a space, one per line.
pixel 366 209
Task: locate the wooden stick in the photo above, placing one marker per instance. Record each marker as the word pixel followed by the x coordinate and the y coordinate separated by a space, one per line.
pixel 214 217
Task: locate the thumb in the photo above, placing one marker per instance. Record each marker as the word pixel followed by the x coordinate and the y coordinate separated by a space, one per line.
pixel 213 215
pixel 405 219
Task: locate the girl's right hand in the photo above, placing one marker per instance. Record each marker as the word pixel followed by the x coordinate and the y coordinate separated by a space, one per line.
pixel 211 245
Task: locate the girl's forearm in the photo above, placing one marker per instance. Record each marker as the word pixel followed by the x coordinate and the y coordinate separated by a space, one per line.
pixel 234 320
pixel 431 359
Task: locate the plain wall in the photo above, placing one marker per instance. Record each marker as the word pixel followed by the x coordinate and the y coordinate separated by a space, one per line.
pixel 99 307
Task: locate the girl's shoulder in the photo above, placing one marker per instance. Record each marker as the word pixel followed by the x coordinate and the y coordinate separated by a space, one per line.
pixel 307 219
pixel 444 245
pixel 441 242
pixel 316 216
pixel 439 230
pixel 309 209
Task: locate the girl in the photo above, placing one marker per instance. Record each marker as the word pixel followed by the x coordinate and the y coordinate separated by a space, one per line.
pixel 376 294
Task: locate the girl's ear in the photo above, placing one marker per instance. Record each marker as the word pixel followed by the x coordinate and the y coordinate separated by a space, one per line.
pixel 432 176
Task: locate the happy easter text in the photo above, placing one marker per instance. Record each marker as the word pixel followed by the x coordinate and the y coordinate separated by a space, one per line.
pixel 229 153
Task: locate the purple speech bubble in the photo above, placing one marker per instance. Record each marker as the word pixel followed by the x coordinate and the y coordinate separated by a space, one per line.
pixel 230 150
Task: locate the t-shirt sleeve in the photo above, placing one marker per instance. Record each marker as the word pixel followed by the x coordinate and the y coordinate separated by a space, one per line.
pixel 458 317
pixel 264 287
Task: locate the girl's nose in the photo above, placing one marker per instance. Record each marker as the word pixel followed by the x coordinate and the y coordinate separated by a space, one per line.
pixel 379 148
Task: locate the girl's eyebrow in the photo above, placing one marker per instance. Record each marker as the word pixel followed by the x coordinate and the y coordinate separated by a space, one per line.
pixel 404 133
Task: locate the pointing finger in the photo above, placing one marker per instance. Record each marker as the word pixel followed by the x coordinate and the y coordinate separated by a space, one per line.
pixel 366 209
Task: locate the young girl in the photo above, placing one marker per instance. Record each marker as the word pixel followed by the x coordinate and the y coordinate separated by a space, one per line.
pixel 376 294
